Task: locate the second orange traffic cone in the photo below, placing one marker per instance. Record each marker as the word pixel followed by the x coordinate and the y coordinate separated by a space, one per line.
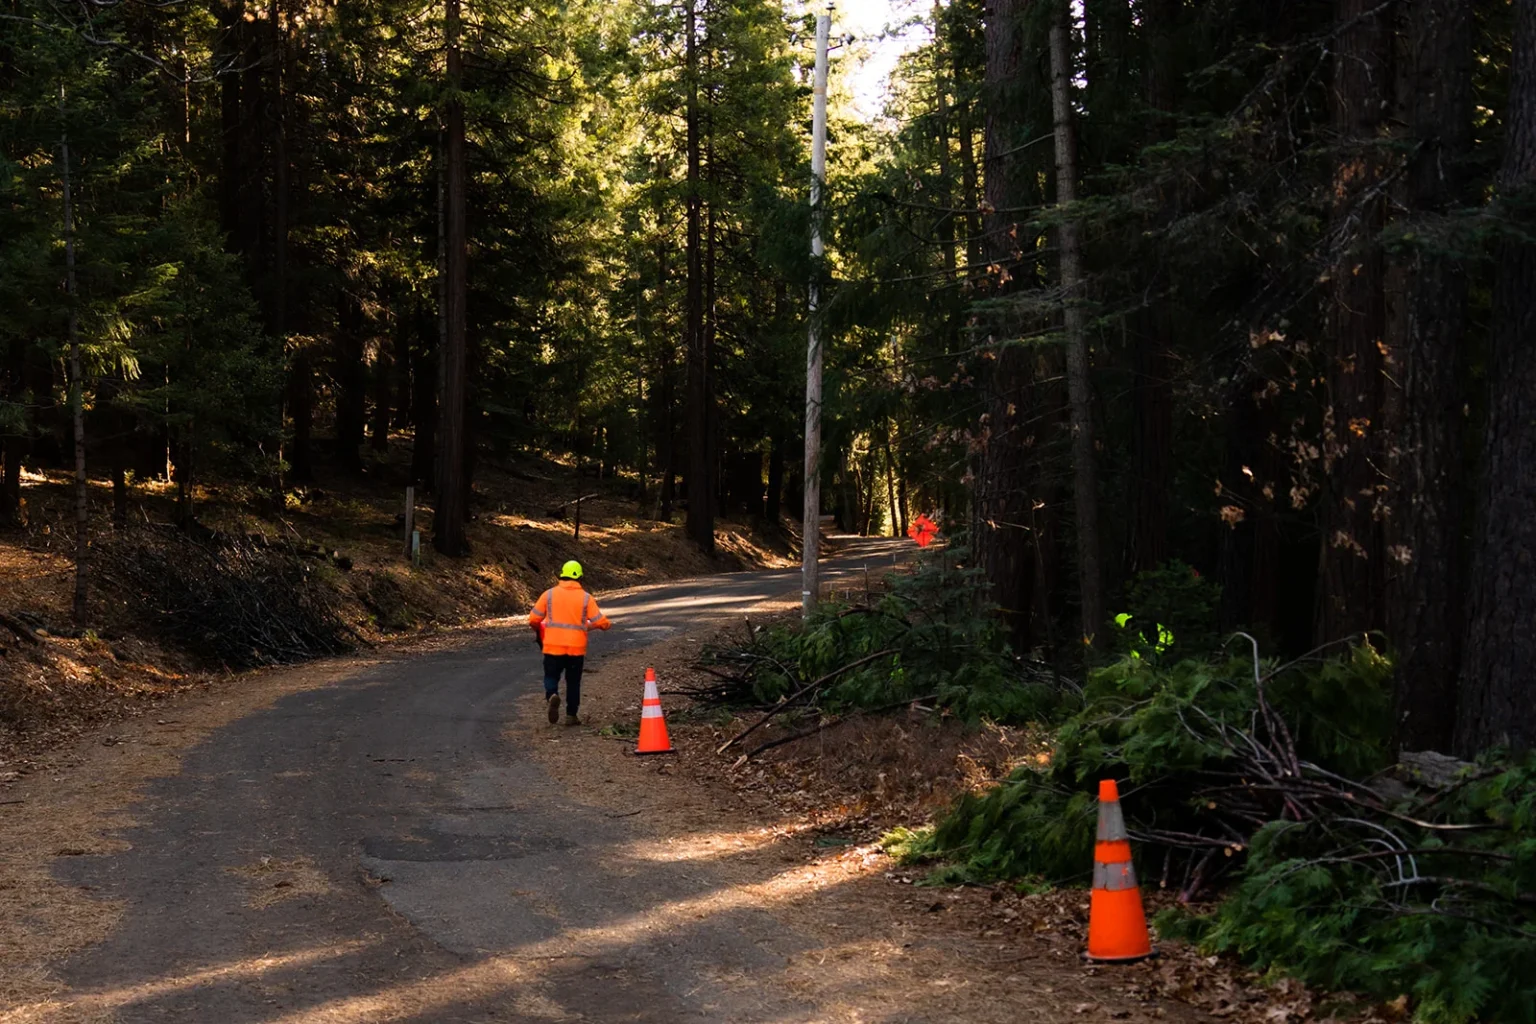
pixel 653 725
pixel 1117 924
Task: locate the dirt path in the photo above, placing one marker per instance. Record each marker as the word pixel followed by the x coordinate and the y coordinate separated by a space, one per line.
pixel 403 839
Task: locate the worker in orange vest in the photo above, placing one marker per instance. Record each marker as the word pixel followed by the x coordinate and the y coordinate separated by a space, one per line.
pixel 561 617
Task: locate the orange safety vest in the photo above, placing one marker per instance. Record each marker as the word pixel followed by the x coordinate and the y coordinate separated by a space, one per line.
pixel 566 612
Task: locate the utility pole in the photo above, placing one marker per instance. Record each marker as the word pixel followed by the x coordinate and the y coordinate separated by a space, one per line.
pixel 811 528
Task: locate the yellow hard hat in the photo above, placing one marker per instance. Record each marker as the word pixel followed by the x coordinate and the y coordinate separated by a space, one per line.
pixel 571 570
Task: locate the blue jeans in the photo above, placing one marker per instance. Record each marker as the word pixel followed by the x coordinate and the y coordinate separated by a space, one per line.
pixel 570 664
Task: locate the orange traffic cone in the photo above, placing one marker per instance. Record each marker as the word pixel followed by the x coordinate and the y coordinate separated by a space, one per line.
pixel 653 727
pixel 1117 925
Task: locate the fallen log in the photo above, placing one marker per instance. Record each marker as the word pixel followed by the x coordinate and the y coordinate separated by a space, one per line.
pixel 20 628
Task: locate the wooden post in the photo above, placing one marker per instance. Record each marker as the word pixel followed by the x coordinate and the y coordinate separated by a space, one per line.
pixel 578 519
pixel 410 517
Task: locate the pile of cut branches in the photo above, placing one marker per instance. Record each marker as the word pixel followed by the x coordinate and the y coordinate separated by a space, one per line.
pixel 237 602
pixel 931 639
pixel 1275 781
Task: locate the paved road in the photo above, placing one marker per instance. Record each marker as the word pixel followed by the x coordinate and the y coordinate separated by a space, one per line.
pixel 443 875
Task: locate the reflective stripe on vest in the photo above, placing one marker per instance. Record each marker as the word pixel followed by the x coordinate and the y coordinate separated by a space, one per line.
pixel 549 613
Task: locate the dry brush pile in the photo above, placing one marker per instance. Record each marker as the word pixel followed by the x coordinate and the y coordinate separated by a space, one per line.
pixel 928 640
pixel 232 601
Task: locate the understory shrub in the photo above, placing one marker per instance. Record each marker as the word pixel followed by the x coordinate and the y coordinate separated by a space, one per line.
pixel 1167 613
pixel 932 636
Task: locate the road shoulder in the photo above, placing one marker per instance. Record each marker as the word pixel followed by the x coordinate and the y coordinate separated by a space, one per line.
pixel 78 800
pixel 874 946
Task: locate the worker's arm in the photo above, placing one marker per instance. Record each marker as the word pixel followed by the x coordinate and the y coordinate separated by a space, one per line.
pixel 539 610
pixel 596 619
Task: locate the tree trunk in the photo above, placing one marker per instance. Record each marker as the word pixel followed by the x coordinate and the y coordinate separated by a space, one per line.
pixel 711 327
pixel 701 520
pixel 76 388
pixel 1498 701
pixel 301 410
pixel 1004 171
pixel 1075 321
pixel 1162 23
pixel 1152 397
pixel 1151 445
pixel 384 384
pixel 278 311
pixel 10 483
pixel 663 396
pixel 405 366
pixel 120 475
pixel 239 111
pixel 252 205
pixel 1426 315
pixel 13 375
pixel 1353 433
pixel 281 71
pixel 965 130
pixel 186 496
pixel 848 494
pixel 666 440
pixel 448 534
pixel 352 378
pixel 773 501
pixel 1108 93
pixel 1247 558
pixel 1003 490
pixel 946 223
pixel 424 400
pixel 866 480
pixel 231 30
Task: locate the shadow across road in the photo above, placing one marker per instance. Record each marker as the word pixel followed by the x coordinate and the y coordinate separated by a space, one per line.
pixel 377 849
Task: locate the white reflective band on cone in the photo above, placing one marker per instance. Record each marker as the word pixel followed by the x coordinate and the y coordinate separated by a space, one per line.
pixel 1111 822
pixel 1114 877
pixel 651 711
pixel 651 693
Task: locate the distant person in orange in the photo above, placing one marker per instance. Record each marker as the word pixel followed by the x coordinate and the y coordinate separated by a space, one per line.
pixel 561 617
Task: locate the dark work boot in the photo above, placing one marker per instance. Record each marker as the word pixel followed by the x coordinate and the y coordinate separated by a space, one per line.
pixel 572 718
pixel 554 708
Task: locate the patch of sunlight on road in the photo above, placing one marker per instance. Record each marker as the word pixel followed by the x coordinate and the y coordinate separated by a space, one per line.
pixel 703 846
pixel 496 976
pixel 115 998
pixel 674 604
